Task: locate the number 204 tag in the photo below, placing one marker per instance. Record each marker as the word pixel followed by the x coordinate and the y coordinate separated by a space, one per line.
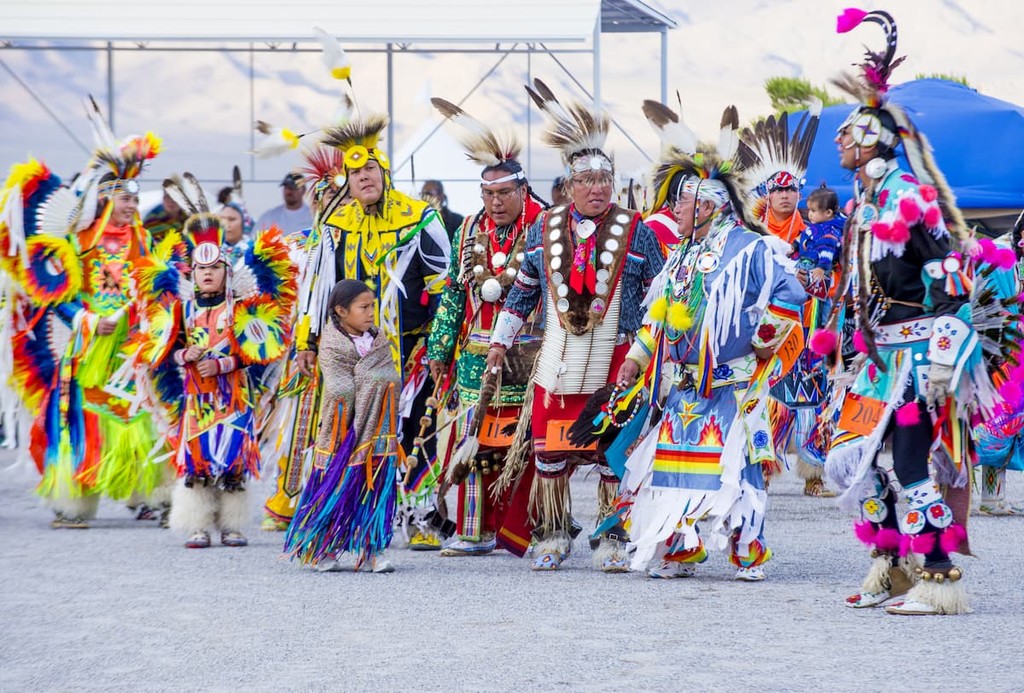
pixel 861 415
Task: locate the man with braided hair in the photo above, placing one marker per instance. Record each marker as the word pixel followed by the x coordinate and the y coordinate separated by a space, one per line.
pixel 488 249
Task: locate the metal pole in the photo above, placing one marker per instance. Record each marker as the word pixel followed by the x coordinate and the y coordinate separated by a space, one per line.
pixel 529 118
pixel 597 61
pixel 252 113
pixel 110 86
pixel 391 104
pixel 664 66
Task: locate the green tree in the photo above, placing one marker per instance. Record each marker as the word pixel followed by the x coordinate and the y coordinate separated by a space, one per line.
pixel 789 94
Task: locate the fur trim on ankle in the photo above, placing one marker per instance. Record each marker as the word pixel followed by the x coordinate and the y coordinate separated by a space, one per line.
pixel 192 509
pixel 233 515
pixel 948 597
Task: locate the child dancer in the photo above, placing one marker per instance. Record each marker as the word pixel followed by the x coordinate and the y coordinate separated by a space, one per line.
pixel 219 327
pixel 348 504
pixel 816 250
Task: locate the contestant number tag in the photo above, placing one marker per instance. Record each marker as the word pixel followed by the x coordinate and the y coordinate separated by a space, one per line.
pixel 557 438
pixel 491 435
pixel 861 415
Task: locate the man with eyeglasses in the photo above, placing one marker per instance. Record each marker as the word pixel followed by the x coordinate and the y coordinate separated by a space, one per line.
pixel 487 252
pixel 589 264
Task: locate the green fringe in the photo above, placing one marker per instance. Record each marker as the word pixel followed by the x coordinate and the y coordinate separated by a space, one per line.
pixel 125 467
pixel 95 369
pixel 59 479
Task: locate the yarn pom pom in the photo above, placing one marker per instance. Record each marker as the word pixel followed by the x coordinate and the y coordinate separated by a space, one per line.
pixel 824 342
pixel 929 193
pixel 679 317
pixel 865 532
pixel 900 232
pixel 988 250
pixel 952 538
pixel 1011 393
pixel 882 231
pixel 658 310
pixel 933 216
pixel 910 210
pixel 888 539
pixel 909 414
pixel 1005 258
pixel 859 343
pixel 923 543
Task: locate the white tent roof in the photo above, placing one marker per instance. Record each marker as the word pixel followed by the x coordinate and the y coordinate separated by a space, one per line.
pixel 353 21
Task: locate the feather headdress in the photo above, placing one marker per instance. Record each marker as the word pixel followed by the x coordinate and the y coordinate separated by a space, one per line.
pixel 203 229
pixel 707 170
pixel 125 159
pixel 482 144
pixel 324 175
pixel 772 159
pixel 574 130
pixel 359 139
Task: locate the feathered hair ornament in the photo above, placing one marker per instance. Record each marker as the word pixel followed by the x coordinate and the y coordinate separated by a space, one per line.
pixel 576 131
pixel 125 160
pixel 879 121
pixel 359 139
pixel 324 175
pixel 708 171
pixel 202 229
pixel 483 145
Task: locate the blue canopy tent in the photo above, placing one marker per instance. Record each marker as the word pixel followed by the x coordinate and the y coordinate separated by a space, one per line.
pixel 978 143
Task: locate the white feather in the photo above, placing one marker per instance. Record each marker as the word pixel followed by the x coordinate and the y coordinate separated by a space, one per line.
pixel 815 107
pixel 58 214
pixel 12 215
pixel 333 57
pixel 101 132
pixel 276 143
pixel 728 142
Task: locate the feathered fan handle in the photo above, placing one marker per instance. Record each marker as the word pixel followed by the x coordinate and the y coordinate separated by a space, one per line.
pixel 728 136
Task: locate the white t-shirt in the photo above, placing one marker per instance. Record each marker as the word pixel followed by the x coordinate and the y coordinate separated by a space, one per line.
pixel 288 220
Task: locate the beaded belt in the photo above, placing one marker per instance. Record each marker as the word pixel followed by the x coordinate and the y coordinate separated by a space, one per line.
pixel 899 333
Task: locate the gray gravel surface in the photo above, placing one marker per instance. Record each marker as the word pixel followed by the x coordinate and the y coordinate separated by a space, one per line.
pixel 123 606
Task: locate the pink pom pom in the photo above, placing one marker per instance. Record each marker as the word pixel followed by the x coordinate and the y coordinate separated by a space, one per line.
pixel 865 531
pixel 952 538
pixel 882 231
pixel 932 217
pixel 887 539
pixel 849 20
pixel 909 210
pixel 859 343
pixel 909 414
pixel 824 342
pixel 1011 393
pixel 923 543
pixel 929 193
pixel 988 250
pixel 1004 258
pixel 904 545
pixel 900 232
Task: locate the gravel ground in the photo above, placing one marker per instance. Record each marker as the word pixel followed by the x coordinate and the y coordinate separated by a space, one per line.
pixel 123 606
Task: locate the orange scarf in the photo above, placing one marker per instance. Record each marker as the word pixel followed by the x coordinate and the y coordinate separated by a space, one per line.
pixel 788 230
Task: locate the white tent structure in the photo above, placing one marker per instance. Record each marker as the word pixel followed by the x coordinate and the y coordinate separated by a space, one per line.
pixel 392 28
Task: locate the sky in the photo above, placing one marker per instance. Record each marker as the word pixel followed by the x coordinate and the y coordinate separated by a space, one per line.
pixel 720 54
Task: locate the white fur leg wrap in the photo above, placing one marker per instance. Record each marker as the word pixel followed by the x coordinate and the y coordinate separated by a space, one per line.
pixel 233 515
pixel 947 597
pixel 192 509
